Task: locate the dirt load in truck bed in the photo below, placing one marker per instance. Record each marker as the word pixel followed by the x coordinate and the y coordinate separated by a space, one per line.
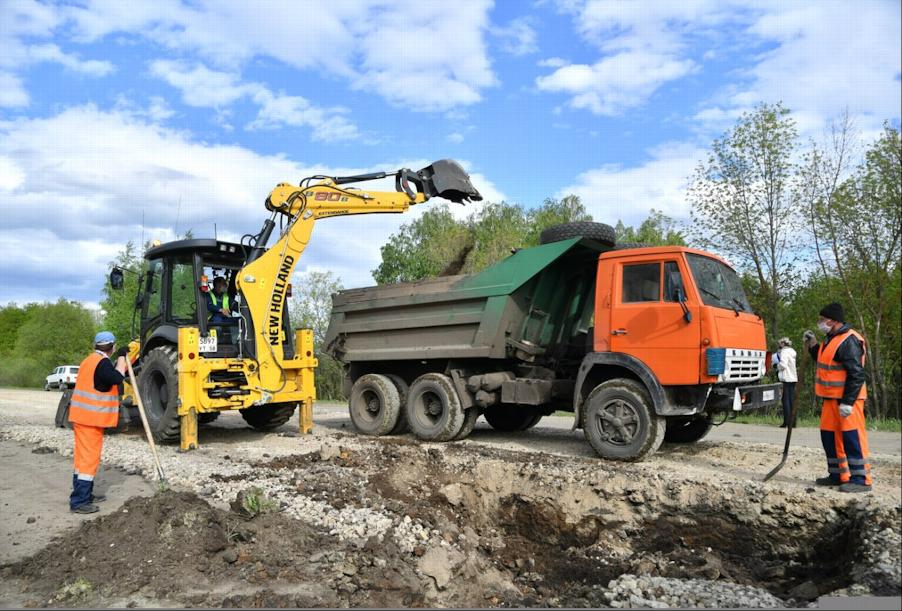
pixel 333 519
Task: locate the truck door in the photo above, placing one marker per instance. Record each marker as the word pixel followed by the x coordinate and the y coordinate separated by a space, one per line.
pixel 648 320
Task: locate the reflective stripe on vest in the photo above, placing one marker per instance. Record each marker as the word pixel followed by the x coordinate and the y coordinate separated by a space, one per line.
pixel 88 405
pixel 830 378
pixel 225 301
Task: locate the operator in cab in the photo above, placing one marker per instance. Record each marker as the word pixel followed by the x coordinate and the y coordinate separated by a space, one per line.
pixel 218 305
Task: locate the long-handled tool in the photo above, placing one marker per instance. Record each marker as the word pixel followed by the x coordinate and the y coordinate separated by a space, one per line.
pixel 153 446
pixel 792 419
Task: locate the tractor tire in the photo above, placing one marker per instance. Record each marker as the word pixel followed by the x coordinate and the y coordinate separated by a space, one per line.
pixel 687 430
pixel 628 245
pixel 509 418
pixel 401 427
pixel 207 417
pixel 158 385
pixel 471 415
pixel 620 422
pixel 433 408
pixel 374 404
pixel 599 232
pixel 268 417
pixel 62 411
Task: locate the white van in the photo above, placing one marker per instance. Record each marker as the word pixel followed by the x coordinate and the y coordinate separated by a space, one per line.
pixel 61 378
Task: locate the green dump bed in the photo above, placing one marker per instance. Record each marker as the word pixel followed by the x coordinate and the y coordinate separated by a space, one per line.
pixel 520 307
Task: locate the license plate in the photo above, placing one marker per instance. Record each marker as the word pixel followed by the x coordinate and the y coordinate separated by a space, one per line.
pixel 767 395
pixel 208 344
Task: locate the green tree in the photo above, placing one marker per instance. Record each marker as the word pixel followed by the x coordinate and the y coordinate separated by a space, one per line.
pixel 857 231
pixel 744 204
pixel 553 212
pixel 657 230
pixel 12 317
pixel 423 247
pixel 53 334
pixel 118 306
pixel 310 307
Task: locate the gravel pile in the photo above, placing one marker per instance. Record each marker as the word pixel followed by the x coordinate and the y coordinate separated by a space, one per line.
pixel 631 591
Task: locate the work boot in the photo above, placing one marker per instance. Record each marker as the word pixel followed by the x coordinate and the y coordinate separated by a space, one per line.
pixel 854 488
pixel 86 508
pixel 827 481
pixel 98 497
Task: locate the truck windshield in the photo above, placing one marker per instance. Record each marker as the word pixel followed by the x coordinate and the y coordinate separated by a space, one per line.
pixel 719 285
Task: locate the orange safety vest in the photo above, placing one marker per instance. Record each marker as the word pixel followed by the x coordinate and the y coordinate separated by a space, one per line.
pixel 830 380
pixel 90 406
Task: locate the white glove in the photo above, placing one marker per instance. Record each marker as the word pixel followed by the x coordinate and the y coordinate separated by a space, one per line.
pixel 845 410
pixel 809 339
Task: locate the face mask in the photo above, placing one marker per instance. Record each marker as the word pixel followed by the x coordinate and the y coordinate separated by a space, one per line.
pixel 824 327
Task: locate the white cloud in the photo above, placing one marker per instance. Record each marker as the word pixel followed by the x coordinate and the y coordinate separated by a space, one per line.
pixel 205 88
pixel 643 46
pixel 518 37
pixel 88 195
pixel 553 62
pixel 617 82
pixel 421 55
pixel 33 20
pixel 613 192
pixel 455 138
pixel 12 93
pixel 52 53
pixel 201 86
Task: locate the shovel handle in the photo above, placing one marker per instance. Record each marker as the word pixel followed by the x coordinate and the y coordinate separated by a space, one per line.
pixel 153 446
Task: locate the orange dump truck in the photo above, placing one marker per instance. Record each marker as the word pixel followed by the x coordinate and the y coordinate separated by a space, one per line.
pixel 643 345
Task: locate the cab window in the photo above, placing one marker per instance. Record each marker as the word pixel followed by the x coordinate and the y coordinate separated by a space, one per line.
pixel 673 281
pixel 641 283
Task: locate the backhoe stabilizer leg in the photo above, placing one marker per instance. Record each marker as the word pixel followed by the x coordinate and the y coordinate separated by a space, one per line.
pixel 189 430
pixel 305 417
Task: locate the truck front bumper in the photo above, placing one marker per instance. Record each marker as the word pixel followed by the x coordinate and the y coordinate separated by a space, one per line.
pixel 747 398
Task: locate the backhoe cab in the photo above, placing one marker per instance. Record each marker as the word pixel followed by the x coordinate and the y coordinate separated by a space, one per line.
pixel 189 369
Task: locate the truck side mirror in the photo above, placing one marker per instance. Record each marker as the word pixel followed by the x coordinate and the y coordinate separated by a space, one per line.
pixel 117 279
pixel 680 298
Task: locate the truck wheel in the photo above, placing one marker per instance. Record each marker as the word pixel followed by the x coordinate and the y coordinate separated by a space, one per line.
pixel 433 409
pixel 620 422
pixel 159 388
pixel 374 404
pixel 599 232
pixel 510 417
pixel 268 417
pixel 687 430
pixel 471 415
pixel 401 426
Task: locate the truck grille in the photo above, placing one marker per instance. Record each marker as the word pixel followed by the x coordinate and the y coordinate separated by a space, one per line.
pixel 743 365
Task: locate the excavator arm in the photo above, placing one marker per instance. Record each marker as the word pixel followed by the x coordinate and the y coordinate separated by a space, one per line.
pixel 263 281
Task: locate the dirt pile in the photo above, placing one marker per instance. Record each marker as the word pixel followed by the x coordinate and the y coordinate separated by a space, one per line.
pixel 176 548
pixel 389 522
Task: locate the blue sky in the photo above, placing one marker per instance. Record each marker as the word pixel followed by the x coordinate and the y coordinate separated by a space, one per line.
pixel 127 119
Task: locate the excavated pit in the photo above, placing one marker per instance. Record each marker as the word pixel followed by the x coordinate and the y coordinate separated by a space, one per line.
pixel 423 525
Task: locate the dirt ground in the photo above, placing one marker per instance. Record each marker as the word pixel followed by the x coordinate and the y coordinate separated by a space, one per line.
pixel 338 520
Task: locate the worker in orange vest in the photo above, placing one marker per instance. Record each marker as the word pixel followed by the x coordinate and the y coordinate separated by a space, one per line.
pixel 94 406
pixel 840 383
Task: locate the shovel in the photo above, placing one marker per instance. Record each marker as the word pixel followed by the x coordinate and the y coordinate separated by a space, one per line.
pixel 153 447
pixel 792 419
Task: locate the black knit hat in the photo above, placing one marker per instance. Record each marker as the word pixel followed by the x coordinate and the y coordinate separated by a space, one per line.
pixel 834 311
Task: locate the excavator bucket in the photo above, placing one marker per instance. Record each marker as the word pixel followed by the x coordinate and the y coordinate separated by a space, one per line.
pixel 446 178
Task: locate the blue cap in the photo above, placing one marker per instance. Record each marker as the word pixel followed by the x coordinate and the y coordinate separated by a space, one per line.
pixel 104 337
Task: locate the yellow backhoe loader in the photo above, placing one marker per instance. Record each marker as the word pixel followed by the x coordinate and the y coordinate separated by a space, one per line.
pixel 190 368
